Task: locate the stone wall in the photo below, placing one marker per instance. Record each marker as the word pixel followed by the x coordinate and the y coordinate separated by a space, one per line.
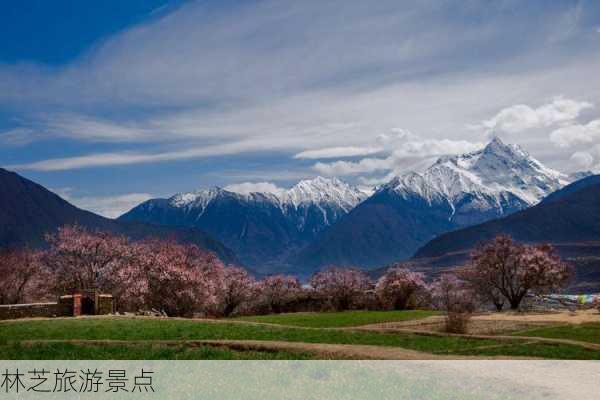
pixel 105 304
pixel 46 310
pixel 66 306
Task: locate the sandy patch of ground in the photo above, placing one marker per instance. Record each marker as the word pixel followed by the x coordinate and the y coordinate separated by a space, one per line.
pixel 561 317
pixel 494 323
pixel 476 326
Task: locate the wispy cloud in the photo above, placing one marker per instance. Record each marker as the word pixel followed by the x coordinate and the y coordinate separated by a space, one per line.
pixel 129 158
pixel 338 152
pixel 311 81
pixel 18 136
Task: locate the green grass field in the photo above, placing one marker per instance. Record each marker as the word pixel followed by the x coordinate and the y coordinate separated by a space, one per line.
pixel 12 334
pixel 339 319
pixel 70 351
pixel 584 332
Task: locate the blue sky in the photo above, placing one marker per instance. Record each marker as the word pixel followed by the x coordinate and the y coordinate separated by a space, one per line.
pixel 109 103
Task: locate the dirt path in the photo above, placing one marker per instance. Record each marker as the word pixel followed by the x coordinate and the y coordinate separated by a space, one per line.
pixel 587 345
pixel 505 320
pixel 334 351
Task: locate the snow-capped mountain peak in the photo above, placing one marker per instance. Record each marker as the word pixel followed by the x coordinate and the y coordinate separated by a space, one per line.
pixel 323 191
pixel 198 198
pixel 412 183
pixel 497 180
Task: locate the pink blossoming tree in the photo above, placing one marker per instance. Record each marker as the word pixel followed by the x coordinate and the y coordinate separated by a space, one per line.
pixel 505 270
pixel 340 286
pixel 176 279
pixel 235 287
pixel 22 276
pixel 81 259
pixel 275 292
pixel 398 288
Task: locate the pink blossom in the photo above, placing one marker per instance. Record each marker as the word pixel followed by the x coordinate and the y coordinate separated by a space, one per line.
pixel 399 287
pixel 23 277
pixel 274 292
pixel 174 278
pixel 234 287
pixel 81 259
pixel 507 270
pixel 341 286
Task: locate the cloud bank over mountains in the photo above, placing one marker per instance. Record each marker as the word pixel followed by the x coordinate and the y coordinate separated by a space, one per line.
pixel 338 88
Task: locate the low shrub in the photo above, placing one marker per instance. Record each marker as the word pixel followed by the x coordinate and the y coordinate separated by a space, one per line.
pixel 457 300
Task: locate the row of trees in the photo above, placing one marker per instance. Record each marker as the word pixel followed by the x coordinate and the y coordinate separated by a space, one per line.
pixel 163 275
pixel 182 279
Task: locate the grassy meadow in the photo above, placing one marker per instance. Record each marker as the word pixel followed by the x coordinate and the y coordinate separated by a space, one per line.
pixel 171 338
pixel 339 319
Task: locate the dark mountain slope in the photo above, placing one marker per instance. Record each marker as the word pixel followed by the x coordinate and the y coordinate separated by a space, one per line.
pixel 384 228
pixel 573 187
pixel 572 216
pixel 28 211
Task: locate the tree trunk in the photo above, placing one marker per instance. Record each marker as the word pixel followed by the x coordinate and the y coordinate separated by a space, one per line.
pixel 499 305
pixel 400 303
pixel 515 302
pixel 228 310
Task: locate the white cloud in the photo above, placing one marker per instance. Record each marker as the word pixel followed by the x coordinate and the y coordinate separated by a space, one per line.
pixel 338 152
pixel 570 135
pixel 107 206
pixel 521 117
pixel 128 158
pixel 88 128
pixel 582 159
pixel 202 53
pixel 341 168
pixel 432 148
pixel 88 161
pixel 399 151
pixel 207 81
pixel 251 187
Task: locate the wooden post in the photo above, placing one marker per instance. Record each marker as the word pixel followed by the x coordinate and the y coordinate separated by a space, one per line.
pixel 77 305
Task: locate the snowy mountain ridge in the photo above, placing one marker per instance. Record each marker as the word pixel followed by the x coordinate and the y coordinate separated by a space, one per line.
pixel 325 221
pixel 498 179
pixel 263 228
pixel 318 191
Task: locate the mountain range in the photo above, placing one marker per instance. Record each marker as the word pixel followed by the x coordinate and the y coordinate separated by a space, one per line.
pixel 433 218
pixel 414 208
pixel 264 229
pixel 29 211
pixel 324 221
